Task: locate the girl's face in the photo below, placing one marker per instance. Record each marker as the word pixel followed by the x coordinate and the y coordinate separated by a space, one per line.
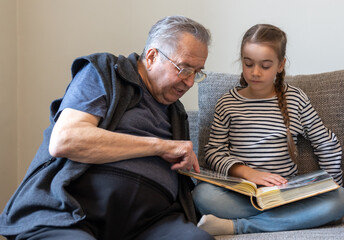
pixel 260 67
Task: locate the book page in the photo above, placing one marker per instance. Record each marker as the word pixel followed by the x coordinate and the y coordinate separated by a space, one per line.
pixel 217 175
pixel 306 179
pixel 298 181
pixel 233 183
pixel 284 196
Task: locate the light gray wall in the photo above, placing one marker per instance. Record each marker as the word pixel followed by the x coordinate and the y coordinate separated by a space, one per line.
pixel 50 34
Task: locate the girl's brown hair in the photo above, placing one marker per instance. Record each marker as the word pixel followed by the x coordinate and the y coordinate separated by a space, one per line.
pixel 275 38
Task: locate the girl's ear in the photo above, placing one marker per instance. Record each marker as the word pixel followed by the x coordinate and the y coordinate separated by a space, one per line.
pixel 282 65
pixel 151 56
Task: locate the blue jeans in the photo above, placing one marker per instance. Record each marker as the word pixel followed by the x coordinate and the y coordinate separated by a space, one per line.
pixel 307 213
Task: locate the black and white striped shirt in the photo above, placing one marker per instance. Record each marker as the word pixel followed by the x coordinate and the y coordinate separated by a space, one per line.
pixel 252 132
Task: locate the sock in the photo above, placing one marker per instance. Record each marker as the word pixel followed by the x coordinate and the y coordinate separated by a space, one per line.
pixel 216 226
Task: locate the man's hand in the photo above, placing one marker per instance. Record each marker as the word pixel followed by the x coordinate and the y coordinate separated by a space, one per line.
pixel 180 154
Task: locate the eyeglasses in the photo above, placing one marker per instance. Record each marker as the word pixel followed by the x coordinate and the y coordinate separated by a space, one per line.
pixel 184 73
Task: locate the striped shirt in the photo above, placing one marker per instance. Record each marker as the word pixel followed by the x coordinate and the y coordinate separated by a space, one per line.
pixel 252 132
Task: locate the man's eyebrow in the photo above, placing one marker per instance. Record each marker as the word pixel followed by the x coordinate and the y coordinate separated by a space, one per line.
pixel 186 65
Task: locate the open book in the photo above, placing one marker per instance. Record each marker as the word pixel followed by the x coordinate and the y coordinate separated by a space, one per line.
pixel 262 198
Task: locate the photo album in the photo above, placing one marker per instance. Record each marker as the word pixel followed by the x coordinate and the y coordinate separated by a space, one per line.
pixel 297 188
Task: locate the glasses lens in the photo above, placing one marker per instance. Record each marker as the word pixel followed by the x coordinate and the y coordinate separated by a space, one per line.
pixel 185 73
pixel 200 76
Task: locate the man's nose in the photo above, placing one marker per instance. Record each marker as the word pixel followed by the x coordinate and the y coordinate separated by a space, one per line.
pixel 189 81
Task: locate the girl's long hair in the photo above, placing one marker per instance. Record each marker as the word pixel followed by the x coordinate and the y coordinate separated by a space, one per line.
pixel 275 38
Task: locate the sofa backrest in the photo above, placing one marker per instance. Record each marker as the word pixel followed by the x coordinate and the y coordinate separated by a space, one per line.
pixel 325 91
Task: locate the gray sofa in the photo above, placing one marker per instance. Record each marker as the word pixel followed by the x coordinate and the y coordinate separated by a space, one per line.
pixel 326 91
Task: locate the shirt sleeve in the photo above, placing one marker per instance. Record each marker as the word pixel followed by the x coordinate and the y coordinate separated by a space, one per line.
pixel 324 142
pixel 217 152
pixel 85 93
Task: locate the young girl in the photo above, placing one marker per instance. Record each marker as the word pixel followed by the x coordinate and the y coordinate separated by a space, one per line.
pixel 253 137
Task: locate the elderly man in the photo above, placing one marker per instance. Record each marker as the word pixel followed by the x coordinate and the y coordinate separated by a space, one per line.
pixel 107 166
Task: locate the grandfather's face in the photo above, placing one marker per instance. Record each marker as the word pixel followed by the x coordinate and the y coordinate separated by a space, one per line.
pixel 163 81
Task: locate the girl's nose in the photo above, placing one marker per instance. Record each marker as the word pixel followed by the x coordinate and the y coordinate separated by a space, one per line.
pixel 256 71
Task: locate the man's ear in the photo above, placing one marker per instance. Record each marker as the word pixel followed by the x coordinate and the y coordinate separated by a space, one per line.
pixel 282 65
pixel 151 57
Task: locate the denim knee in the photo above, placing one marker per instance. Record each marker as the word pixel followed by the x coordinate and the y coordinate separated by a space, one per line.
pixel 221 202
pixel 200 196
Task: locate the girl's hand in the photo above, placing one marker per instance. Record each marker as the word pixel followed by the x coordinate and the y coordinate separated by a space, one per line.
pixel 265 178
pixel 258 177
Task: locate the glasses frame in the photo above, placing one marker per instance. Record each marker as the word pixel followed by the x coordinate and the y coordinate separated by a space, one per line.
pixel 199 76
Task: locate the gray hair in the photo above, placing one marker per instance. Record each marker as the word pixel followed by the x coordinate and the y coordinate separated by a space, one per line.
pixel 167 31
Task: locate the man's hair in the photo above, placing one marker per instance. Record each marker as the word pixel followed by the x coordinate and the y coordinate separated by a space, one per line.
pixel 166 33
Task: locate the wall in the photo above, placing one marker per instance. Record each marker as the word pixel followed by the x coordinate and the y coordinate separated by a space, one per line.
pixel 8 100
pixel 52 33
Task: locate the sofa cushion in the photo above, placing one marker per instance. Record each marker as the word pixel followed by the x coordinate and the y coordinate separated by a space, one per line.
pixel 324 90
pixel 209 91
pixel 193 124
